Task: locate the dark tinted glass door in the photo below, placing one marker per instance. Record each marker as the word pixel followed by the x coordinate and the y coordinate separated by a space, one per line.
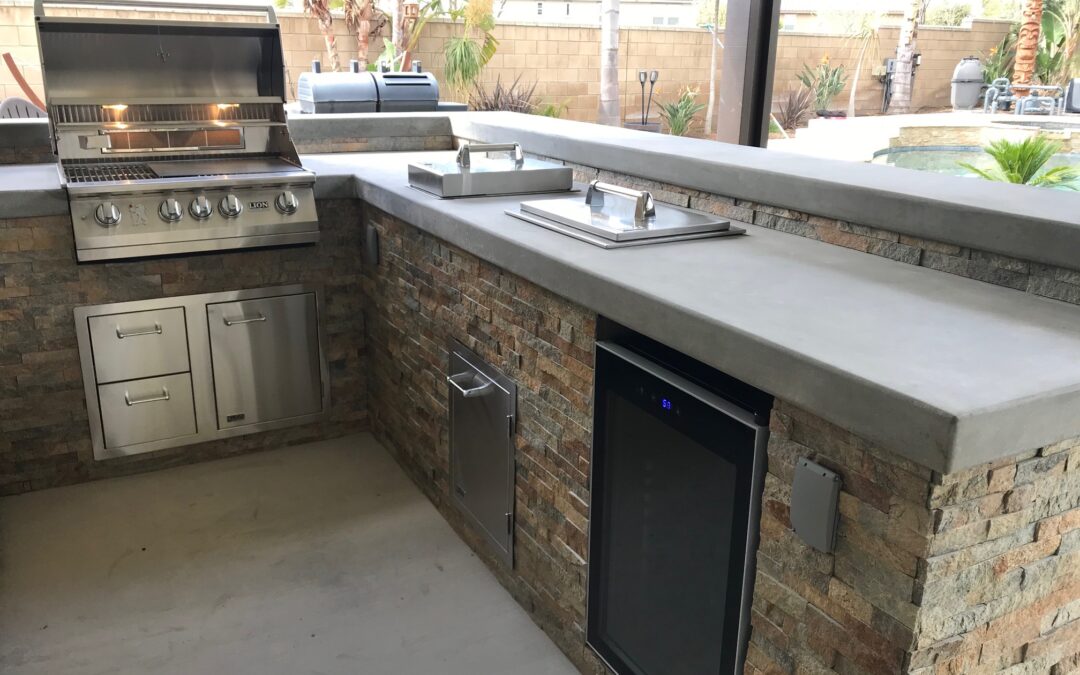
pixel 672 490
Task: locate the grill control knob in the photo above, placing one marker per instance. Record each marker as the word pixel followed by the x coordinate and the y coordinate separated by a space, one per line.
pixel 230 206
pixel 287 203
pixel 170 210
pixel 107 214
pixel 201 208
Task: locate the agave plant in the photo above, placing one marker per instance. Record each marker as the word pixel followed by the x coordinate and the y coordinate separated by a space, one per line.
pixel 1022 162
pixel 680 113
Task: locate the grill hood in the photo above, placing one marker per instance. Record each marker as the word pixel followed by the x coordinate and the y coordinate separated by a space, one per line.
pixel 107 61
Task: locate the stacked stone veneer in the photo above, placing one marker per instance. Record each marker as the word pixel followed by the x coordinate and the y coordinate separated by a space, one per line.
pixel 424 293
pixel 44 433
pixel 973 572
pixel 1044 280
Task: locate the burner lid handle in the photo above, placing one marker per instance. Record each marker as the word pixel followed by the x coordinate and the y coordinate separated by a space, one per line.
pixel 644 206
pixel 465 152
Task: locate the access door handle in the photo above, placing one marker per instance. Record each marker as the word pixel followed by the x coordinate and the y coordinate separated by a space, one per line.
pixel 236 322
pixel 136 401
pixel 471 392
pixel 121 333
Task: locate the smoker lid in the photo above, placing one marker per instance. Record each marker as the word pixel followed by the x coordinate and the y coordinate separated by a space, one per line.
pixel 406 86
pixel 346 87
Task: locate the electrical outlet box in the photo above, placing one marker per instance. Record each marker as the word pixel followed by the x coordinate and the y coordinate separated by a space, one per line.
pixel 815 498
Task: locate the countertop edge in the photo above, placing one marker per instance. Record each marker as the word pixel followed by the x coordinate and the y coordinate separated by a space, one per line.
pixel 919 432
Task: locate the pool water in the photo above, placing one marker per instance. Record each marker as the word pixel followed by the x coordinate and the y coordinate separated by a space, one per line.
pixel 946 159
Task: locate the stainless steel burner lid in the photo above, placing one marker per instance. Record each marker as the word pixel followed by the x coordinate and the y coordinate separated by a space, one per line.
pixel 476 173
pixel 620 214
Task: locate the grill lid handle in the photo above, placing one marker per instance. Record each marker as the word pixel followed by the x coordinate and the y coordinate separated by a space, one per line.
pixel 271 15
pixel 644 206
pixel 465 151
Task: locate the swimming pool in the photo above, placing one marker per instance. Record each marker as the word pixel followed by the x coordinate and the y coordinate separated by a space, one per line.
pixel 946 158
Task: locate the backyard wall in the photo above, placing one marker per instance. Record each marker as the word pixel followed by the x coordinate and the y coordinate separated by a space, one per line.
pixel 564 60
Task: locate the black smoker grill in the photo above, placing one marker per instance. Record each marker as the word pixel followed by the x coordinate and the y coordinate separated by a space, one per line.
pixel 359 91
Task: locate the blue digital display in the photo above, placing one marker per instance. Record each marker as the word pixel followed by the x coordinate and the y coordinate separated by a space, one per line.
pixel 665 404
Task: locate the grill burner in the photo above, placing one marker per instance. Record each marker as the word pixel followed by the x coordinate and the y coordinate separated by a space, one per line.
pixel 190 112
pixel 171 135
pixel 97 173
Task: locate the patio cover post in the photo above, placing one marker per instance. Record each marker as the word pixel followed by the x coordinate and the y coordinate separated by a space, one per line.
pixel 746 77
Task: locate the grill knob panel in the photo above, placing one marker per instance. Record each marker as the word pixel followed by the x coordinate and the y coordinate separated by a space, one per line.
pixel 287 203
pixel 171 211
pixel 230 206
pixel 201 207
pixel 107 214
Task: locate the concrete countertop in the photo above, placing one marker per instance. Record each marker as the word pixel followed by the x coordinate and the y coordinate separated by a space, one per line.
pixel 992 217
pixel 947 371
pixel 28 190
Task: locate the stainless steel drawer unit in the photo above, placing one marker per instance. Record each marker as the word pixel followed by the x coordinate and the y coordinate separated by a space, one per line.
pixel 143 411
pixel 139 344
pixel 266 359
pixel 482 412
pixel 175 371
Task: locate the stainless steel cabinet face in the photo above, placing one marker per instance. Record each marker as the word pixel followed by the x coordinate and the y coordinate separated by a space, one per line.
pixel 265 355
pixel 482 409
pixel 152 409
pixel 131 345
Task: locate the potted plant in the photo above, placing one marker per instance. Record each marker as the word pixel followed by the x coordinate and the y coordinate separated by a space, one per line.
pixel 825 82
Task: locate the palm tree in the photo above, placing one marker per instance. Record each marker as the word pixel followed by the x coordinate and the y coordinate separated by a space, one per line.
pixel 714 34
pixel 904 75
pixel 1027 44
pixel 865 36
pixel 609 63
pixel 358 17
pixel 1023 163
pixel 320 10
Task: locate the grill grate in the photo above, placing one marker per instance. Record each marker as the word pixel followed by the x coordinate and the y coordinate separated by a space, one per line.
pixel 172 112
pixel 96 173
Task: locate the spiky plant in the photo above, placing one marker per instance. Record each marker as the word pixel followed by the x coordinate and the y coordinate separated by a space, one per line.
pixel 515 98
pixel 320 10
pixel 1022 163
pixel 795 108
pixel 680 113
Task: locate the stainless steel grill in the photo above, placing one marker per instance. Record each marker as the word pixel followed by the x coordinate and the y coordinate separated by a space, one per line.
pixel 98 173
pixel 171 135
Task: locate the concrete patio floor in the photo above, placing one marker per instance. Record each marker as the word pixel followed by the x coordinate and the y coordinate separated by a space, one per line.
pixel 322 558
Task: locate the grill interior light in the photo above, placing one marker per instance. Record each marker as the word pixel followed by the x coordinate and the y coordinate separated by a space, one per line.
pixel 116 107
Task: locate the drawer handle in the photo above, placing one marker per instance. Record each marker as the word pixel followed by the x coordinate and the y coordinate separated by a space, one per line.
pixel 246 319
pixel 469 393
pixel 136 401
pixel 120 333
